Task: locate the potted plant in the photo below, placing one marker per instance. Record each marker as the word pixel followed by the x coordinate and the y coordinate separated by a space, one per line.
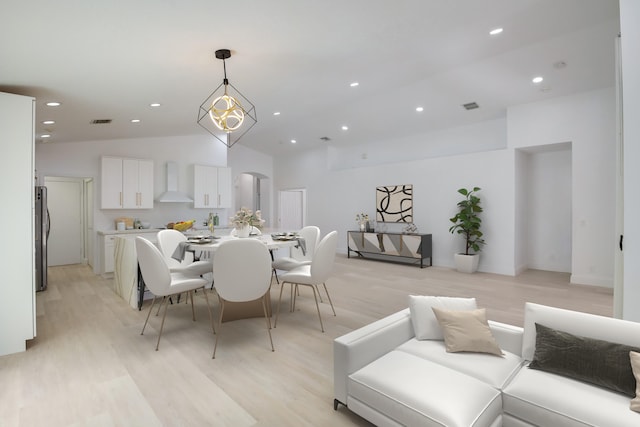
pixel 467 223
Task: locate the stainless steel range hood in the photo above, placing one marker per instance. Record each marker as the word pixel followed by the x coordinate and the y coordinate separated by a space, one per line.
pixel 172 195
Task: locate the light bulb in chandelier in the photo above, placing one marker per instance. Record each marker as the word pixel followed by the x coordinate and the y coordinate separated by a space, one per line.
pixel 227 113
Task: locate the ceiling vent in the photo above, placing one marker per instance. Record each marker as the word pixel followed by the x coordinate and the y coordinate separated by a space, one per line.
pixel 172 195
pixel 325 138
pixel 470 106
pixel 101 121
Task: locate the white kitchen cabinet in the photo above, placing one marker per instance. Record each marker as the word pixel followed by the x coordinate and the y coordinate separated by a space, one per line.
pixel 127 183
pixel 107 246
pixel 211 187
pixel 18 289
pixel 107 253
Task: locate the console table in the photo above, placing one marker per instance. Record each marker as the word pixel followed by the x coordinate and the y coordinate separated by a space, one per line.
pixel 392 245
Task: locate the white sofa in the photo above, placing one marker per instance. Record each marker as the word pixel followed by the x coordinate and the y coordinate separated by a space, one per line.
pixel 387 376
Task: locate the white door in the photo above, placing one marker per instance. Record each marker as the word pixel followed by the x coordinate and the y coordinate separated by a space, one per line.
pixel 64 197
pixel 292 209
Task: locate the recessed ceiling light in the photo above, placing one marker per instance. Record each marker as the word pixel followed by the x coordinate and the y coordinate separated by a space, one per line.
pixel 354 84
pixel 53 104
pixel 135 120
pixel 345 127
pixel 48 122
pixel 293 141
pixel 419 109
pixel 155 104
pixel 537 79
pixel 46 135
pixel 496 31
pixel 277 113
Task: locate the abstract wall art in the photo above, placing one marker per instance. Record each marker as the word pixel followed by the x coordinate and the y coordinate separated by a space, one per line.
pixel 394 203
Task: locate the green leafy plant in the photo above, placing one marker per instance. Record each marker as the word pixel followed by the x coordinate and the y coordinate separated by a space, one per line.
pixel 467 222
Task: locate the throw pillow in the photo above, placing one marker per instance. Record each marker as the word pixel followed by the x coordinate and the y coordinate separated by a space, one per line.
pixel 634 357
pixel 425 324
pixel 598 362
pixel 467 331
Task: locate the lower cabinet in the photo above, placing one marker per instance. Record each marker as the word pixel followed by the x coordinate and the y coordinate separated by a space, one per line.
pixel 391 246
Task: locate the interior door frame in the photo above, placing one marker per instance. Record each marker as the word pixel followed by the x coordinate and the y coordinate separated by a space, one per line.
pixel 303 192
pixel 86 209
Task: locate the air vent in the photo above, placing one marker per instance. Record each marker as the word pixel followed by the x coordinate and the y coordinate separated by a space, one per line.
pixel 101 121
pixel 325 138
pixel 470 106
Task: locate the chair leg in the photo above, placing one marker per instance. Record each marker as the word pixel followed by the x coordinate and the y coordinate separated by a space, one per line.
pixel 204 291
pixel 148 314
pixel 279 301
pixel 275 273
pixel 193 311
pixel 319 294
pixel 160 306
pixel 215 347
pixel 164 315
pixel 292 301
pixel 327 292
pixel 266 317
pixel 315 297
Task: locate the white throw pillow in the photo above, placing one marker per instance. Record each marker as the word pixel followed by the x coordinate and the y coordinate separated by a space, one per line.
pixel 425 324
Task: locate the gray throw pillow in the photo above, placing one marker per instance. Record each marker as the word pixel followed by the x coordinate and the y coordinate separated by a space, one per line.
pixel 598 362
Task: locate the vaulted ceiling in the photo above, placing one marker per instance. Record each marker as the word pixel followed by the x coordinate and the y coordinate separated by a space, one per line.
pixel 110 60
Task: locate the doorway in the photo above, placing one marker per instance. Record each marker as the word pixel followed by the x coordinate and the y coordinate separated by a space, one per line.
pixel 252 191
pixel 67 203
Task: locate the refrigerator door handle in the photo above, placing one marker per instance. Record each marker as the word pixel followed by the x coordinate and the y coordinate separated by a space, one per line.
pixel 48 223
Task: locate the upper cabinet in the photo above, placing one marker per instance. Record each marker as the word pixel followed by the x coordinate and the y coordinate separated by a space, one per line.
pixel 127 183
pixel 211 187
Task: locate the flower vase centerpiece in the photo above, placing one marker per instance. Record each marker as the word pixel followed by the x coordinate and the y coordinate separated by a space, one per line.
pixel 245 219
pixel 362 219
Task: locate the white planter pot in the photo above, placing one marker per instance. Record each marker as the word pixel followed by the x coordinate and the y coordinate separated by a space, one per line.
pixel 243 231
pixel 466 263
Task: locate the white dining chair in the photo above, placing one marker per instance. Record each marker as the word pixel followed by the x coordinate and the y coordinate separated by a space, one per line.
pixel 242 274
pixel 297 256
pixel 168 241
pixel 313 275
pixel 162 283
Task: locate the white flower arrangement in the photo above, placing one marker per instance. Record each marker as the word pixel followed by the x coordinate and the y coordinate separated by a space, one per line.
pixel 246 216
pixel 362 218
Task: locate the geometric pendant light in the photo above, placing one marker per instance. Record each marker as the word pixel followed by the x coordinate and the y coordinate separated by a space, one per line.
pixel 226 113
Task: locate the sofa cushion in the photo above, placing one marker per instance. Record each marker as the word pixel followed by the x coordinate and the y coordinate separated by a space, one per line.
pixel 598 362
pixel 425 324
pixel 495 371
pixel 635 366
pixel 577 323
pixel 545 399
pixel 467 331
pixel 413 391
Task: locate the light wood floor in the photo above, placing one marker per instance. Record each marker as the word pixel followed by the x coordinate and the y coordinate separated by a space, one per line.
pixel 89 365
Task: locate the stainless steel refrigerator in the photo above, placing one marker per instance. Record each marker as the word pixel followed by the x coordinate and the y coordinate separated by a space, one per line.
pixel 42 227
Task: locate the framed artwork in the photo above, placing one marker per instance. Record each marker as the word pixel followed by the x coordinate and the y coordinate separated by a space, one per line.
pixel 394 203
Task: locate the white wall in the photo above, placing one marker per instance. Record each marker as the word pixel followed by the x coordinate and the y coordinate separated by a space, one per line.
pixel 340 182
pixel 83 160
pixel 587 120
pixel 629 18
pixel 17 290
pixel 244 160
pixel 335 196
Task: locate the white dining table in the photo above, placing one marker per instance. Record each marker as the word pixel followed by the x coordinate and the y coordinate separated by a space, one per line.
pixel 265 238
